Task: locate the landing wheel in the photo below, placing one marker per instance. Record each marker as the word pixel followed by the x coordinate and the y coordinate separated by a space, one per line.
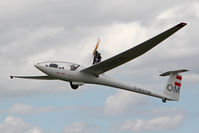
pixel 74 87
pixel 164 100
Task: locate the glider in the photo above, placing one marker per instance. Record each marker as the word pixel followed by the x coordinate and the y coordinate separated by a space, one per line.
pixel 78 75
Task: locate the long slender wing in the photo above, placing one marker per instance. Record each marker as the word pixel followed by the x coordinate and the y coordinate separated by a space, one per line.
pixel 131 53
pixel 45 77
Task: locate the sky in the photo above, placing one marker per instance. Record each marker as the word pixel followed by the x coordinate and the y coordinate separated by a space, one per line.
pixel 67 30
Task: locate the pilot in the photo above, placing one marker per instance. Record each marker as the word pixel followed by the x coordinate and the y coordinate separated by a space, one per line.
pixel 72 67
pixel 97 57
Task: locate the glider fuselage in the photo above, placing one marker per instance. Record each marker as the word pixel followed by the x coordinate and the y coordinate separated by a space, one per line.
pixel 77 77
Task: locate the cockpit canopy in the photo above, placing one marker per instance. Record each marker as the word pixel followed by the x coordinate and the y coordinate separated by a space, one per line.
pixel 61 65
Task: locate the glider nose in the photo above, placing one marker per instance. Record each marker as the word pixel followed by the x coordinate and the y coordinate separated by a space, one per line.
pixel 40 67
pixel 37 66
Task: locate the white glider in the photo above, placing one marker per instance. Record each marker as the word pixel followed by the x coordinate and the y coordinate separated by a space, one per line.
pixel 77 75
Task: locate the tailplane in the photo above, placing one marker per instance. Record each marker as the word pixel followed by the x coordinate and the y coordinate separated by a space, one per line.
pixel 172 88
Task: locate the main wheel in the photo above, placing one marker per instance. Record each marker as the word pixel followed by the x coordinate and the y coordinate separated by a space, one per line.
pixel 164 100
pixel 74 87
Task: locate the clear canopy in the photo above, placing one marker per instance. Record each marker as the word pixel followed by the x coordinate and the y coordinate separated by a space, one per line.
pixel 61 65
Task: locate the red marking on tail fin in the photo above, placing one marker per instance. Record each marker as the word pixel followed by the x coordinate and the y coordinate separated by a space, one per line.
pixel 178 84
pixel 179 77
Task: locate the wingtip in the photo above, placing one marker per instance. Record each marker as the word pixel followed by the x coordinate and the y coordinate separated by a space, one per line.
pixel 182 24
pixel 185 70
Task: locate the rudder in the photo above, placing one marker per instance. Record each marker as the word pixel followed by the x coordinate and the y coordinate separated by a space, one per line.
pixel 172 88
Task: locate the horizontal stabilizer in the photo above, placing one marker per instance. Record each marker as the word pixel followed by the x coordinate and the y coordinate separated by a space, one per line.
pixel 173 72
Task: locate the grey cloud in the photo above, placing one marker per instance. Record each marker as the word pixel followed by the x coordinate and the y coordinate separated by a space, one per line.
pixel 77 13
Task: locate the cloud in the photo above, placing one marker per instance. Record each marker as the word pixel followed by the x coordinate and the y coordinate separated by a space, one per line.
pixel 23 109
pixel 20 109
pixel 122 101
pixel 17 125
pixel 77 127
pixel 80 127
pixel 125 104
pixel 192 78
pixel 28 41
pixel 196 8
pixel 154 124
pixel 160 111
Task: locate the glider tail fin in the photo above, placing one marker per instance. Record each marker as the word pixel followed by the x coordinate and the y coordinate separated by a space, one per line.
pixel 172 88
